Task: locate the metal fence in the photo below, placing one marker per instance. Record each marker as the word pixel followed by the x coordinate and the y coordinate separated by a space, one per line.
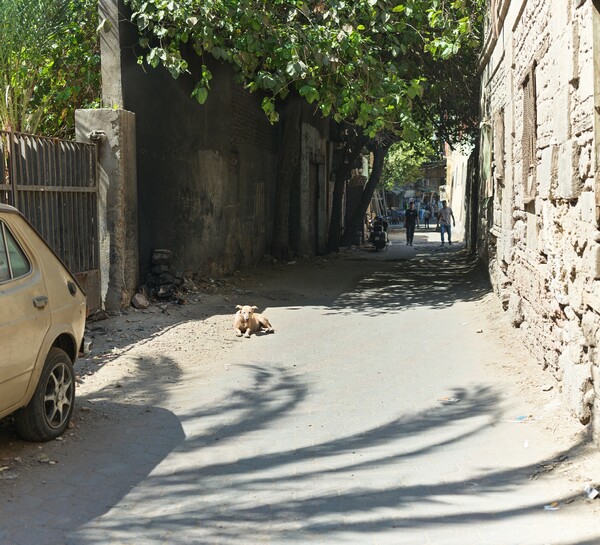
pixel 54 184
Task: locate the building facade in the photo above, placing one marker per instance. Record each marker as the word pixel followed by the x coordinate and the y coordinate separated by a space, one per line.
pixel 539 190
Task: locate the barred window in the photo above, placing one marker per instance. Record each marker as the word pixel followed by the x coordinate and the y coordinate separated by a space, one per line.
pixel 529 140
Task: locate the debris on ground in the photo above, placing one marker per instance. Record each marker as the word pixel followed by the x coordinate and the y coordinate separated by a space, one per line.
pixel 547 467
pixel 591 492
pixel 524 419
pixel 43 459
pixel 554 506
pixel 140 301
pixel 447 400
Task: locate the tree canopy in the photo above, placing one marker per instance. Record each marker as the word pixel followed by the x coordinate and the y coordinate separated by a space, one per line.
pixel 362 61
pixel 403 162
pixel 49 63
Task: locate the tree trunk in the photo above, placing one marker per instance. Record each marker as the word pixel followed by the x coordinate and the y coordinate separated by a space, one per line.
pixel 379 155
pixel 352 149
pixel 288 166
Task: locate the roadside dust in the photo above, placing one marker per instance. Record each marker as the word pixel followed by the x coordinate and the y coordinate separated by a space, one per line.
pixel 540 393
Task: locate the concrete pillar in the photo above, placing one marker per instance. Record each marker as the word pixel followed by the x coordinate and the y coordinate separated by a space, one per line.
pixel 110 52
pixel 113 131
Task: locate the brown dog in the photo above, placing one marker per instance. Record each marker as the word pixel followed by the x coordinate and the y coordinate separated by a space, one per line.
pixel 248 321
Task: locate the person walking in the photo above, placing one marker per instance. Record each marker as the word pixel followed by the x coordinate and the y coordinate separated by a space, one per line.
pixel 426 216
pixel 444 216
pixel 411 221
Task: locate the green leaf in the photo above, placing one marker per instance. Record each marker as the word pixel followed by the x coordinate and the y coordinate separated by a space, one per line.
pixel 268 106
pixel 200 94
pixel 409 134
pixel 309 92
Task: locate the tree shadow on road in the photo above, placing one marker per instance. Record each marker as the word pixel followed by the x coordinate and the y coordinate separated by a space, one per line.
pixel 229 483
pixel 428 282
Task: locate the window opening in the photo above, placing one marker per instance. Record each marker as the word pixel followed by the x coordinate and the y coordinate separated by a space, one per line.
pixel 529 140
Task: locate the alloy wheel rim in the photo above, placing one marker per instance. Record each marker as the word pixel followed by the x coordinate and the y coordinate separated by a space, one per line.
pixel 58 396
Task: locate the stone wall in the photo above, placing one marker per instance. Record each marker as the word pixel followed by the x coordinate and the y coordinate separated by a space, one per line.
pixel 541 234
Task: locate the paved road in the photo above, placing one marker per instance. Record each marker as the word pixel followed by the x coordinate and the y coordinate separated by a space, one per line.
pixel 332 431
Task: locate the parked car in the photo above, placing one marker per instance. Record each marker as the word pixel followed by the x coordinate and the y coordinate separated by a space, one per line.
pixel 42 319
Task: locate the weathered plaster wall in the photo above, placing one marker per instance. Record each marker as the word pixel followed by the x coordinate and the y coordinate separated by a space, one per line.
pixel 544 247
pixel 313 195
pixel 207 174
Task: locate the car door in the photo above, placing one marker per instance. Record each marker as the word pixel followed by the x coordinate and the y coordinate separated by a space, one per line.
pixel 24 316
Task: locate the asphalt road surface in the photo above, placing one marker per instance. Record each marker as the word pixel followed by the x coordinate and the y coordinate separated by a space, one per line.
pixel 392 406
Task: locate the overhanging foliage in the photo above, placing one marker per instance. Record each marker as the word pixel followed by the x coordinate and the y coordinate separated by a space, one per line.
pixel 362 61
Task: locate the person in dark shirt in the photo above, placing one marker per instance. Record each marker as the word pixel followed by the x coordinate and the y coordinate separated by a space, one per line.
pixel 411 221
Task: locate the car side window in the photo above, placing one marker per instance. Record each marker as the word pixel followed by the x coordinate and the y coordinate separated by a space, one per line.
pixel 12 255
pixel 4 270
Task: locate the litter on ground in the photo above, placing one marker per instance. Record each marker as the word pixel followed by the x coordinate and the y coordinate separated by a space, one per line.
pixel 591 492
pixel 524 419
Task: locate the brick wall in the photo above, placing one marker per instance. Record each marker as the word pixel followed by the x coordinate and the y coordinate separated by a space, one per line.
pixel 249 124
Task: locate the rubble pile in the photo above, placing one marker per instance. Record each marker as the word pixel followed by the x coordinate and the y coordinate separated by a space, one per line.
pixel 161 281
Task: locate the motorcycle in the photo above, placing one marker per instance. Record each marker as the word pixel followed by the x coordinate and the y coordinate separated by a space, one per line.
pixel 378 234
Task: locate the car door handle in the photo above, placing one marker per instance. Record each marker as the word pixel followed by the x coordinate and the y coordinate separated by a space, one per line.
pixel 40 301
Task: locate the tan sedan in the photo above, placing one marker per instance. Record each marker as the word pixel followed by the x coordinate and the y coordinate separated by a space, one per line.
pixel 42 319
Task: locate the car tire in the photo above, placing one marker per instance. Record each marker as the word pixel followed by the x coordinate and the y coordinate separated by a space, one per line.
pixel 49 411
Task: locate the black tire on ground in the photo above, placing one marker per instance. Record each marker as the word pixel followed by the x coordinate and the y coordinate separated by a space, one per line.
pixel 49 411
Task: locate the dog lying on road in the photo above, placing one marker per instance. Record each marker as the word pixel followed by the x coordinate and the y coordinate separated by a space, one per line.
pixel 248 321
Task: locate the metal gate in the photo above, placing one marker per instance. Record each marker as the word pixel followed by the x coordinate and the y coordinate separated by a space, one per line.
pixel 54 184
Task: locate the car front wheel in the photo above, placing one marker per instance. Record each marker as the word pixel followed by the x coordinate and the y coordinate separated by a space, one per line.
pixel 48 413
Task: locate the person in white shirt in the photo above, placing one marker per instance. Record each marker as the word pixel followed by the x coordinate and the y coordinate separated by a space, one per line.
pixel 444 216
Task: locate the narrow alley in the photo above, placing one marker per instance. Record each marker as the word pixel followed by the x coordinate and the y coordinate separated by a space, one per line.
pixel 393 405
